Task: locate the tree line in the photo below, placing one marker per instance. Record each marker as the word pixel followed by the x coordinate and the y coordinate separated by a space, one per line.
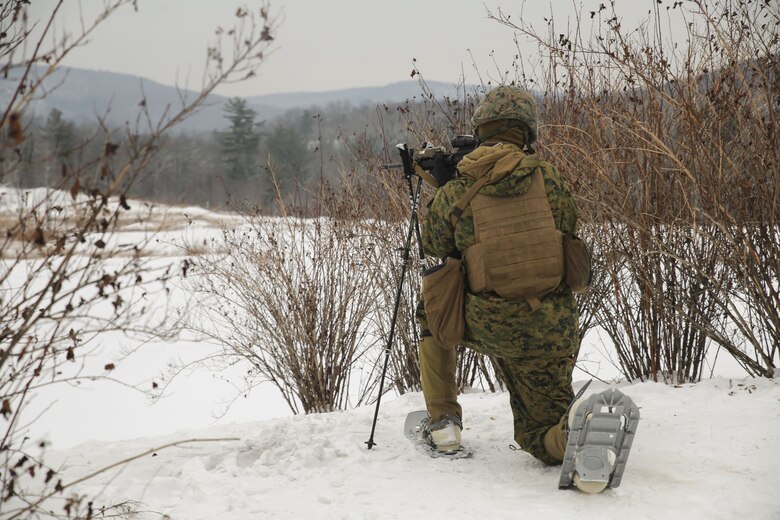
pixel 249 161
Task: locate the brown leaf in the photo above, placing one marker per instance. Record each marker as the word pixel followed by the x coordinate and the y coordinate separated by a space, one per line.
pixel 70 356
pixel 9 489
pixel 15 130
pixel 111 148
pixel 123 202
pixel 74 190
pixel 49 475
pixel 110 366
pixel 6 409
pixel 38 238
pixel 186 265
pixel 413 74
pixel 60 245
pixel 58 487
pixel 100 244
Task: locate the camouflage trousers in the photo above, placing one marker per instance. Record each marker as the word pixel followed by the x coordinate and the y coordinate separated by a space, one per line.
pixel 535 353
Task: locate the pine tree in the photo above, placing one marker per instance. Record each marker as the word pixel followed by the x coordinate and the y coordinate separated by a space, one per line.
pixel 59 134
pixel 59 141
pixel 240 142
pixel 288 158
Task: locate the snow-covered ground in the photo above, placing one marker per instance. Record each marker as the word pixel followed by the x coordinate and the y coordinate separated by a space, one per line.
pixel 704 451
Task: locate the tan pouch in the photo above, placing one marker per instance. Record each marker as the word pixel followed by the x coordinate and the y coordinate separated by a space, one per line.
pixel 443 298
pixel 578 266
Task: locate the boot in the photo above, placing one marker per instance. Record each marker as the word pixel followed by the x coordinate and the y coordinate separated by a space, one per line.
pixel 444 435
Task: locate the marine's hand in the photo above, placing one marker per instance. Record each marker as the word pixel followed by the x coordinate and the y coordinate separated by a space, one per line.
pixel 441 171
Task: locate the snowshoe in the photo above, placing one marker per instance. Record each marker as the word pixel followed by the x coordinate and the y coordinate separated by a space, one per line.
pixel 601 432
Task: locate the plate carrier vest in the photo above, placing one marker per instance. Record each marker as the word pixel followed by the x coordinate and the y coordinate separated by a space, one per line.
pixel 518 251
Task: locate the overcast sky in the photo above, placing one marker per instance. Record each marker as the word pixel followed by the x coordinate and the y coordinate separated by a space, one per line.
pixel 320 44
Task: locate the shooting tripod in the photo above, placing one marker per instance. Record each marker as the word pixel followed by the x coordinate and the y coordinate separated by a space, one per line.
pixel 414 227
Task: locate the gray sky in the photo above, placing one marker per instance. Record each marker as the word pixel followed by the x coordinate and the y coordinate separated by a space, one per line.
pixel 319 44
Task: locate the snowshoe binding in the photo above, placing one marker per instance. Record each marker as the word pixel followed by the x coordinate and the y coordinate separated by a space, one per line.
pixel 418 428
pixel 601 431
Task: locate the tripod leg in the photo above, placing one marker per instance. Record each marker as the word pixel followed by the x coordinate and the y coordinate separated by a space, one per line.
pixel 413 224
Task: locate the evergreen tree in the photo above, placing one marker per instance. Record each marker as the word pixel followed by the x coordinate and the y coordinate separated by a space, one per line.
pixel 59 134
pixel 288 158
pixel 240 142
pixel 59 142
pixel 30 172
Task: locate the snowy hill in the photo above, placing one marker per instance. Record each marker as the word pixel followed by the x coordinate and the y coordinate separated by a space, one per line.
pixel 705 451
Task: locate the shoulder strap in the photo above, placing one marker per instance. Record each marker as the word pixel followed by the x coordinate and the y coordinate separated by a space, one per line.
pixel 457 211
pixel 529 161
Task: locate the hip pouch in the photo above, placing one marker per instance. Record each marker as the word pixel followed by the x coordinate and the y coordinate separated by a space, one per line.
pixel 578 265
pixel 444 301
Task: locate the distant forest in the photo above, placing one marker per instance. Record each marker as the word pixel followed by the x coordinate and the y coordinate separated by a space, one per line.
pixel 251 162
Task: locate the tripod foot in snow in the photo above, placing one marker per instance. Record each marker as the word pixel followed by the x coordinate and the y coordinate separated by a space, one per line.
pixel 601 432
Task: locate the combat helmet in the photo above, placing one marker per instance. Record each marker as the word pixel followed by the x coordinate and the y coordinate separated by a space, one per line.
pixel 507 102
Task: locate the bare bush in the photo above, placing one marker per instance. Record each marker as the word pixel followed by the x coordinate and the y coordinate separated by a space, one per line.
pixel 380 202
pixel 293 297
pixel 673 149
pixel 67 274
pixel 387 197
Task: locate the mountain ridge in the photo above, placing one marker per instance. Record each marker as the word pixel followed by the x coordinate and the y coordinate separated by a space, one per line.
pixel 84 94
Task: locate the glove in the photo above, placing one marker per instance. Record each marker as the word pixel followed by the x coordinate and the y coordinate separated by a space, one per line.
pixel 441 171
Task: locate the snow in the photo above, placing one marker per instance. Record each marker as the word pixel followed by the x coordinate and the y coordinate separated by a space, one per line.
pixel 704 451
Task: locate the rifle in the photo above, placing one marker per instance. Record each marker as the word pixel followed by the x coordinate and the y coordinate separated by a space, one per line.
pixel 432 163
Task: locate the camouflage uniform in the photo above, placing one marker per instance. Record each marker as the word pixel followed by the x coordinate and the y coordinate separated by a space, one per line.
pixel 535 351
